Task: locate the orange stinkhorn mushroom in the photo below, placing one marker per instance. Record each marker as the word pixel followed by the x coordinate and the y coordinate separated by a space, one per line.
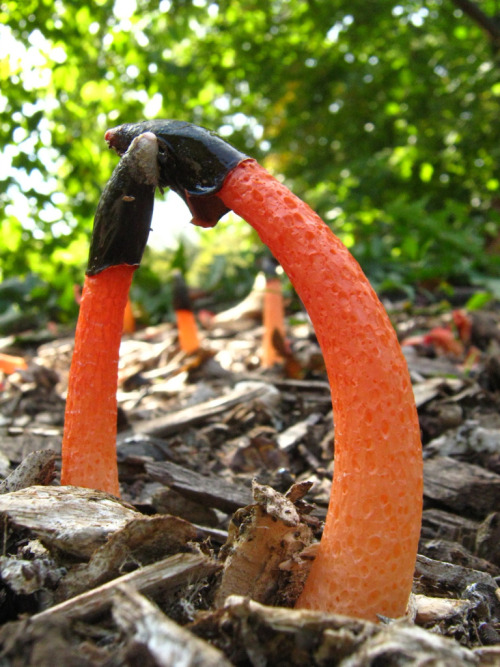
pixel 121 229
pixel 444 341
pixel 186 323
pixel 367 553
pixel 366 557
pixel 463 322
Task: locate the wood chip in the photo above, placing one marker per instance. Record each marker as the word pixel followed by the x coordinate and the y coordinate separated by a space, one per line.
pixel 488 538
pixel 72 519
pixel 453 552
pixel 36 469
pixel 159 641
pixel 290 438
pixel 462 487
pixel 439 524
pixel 303 637
pixel 142 540
pixel 194 414
pixel 431 610
pixel 436 578
pixel 156 579
pixel 208 490
pixel 428 389
pixel 262 554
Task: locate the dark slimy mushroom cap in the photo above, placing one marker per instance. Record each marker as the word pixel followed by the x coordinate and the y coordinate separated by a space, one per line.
pixel 193 162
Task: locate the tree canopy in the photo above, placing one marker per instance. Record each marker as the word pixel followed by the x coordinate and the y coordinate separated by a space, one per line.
pixel 383 116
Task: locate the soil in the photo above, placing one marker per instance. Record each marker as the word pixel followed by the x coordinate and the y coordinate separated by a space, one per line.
pixel 211 449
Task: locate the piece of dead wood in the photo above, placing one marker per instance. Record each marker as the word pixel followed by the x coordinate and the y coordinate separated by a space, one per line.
pixel 154 639
pixel 153 580
pixel 469 619
pixel 488 656
pixel 256 450
pixel 168 501
pixel 140 542
pixel 194 414
pixel 488 539
pixel 452 552
pixel 462 487
pixel 291 437
pixel 38 468
pixel 262 556
pixel 439 524
pixel 411 645
pixel 302 385
pixel 215 535
pixel 71 519
pixel 430 611
pixel 30 570
pixel 209 490
pixel 468 440
pixel 245 314
pixel 136 356
pixel 262 635
pixel 436 578
pixel 424 367
pixel 429 389
pixel 47 644
pixel 18 447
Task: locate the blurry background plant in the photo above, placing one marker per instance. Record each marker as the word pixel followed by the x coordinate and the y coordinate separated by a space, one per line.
pixel 383 118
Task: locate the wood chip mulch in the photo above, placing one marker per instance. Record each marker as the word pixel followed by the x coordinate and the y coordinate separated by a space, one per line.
pixel 212 450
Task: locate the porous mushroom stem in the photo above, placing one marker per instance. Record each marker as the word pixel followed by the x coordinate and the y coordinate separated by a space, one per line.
pixel 367 553
pixel 89 441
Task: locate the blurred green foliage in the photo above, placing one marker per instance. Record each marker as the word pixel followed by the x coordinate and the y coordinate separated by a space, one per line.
pixel 383 116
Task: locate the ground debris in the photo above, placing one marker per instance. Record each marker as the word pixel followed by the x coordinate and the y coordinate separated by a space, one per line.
pixel 71 632
pixel 140 542
pixel 465 488
pixel 81 572
pixel 262 556
pixel 151 637
pixel 210 490
pixel 38 468
pixel 156 580
pixel 72 520
pixel 262 635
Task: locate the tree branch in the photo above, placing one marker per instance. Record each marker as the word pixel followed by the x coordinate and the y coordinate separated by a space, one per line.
pixel 488 24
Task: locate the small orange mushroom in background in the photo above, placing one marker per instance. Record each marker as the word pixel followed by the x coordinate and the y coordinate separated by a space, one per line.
pixel 128 318
pixel 10 364
pixel 443 339
pixel 187 328
pixel 121 229
pixel 367 553
pixel 273 317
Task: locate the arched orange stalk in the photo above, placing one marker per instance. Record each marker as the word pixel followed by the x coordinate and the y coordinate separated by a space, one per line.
pixel 367 553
